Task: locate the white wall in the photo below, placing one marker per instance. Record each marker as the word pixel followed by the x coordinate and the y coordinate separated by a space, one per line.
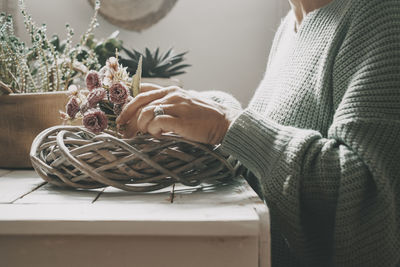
pixel 228 40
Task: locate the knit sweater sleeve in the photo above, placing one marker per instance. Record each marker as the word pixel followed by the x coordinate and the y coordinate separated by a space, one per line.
pixel 337 197
pixel 223 98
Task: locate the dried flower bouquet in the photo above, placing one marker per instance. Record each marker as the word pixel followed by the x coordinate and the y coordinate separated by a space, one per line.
pixel 108 90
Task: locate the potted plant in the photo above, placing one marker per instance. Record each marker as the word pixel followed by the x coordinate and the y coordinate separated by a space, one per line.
pixel 157 67
pixel 33 83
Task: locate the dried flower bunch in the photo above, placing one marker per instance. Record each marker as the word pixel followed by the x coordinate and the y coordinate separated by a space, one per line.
pixel 43 66
pixel 108 90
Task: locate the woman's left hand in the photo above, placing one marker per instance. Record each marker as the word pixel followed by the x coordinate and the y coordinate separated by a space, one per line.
pixel 186 113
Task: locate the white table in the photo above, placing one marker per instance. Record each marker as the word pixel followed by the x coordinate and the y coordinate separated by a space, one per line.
pixel 42 225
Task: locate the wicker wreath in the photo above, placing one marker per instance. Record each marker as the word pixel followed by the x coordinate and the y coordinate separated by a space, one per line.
pixel 72 156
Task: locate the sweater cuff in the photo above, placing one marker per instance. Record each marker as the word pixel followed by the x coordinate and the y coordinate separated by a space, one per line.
pixel 223 98
pixel 256 142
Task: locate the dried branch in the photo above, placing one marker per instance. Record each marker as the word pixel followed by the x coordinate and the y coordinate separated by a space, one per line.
pixel 5 88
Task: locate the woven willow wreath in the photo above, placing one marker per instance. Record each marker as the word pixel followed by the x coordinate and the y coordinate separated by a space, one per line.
pixel 72 156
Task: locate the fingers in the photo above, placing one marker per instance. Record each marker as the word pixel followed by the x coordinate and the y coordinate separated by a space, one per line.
pixel 163 124
pixel 140 100
pixel 147 115
pixel 129 129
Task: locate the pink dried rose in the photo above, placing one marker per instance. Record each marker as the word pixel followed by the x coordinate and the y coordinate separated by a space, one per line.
pixel 119 107
pixel 72 107
pixel 95 121
pixel 95 96
pixel 93 80
pixel 119 93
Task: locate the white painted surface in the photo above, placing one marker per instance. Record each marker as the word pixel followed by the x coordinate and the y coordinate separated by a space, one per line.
pixel 3 172
pixel 17 183
pixel 228 40
pixel 128 251
pixel 222 211
pixel 55 195
pixel 228 220
pixel 148 219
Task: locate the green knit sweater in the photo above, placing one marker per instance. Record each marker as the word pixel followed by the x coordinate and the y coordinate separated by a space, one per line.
pixel 322 136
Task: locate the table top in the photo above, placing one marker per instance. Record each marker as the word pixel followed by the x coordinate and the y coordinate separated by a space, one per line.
pixel 29 205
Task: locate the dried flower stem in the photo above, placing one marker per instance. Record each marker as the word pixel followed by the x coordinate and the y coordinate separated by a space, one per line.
pixel 15 80
pixel 22 61
pixel 93 24
pixel 5 88
pixel 56 75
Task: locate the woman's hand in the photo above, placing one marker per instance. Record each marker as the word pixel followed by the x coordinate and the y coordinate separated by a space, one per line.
pixel 186 113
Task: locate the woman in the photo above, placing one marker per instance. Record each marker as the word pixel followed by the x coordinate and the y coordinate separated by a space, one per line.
pixel 321 136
